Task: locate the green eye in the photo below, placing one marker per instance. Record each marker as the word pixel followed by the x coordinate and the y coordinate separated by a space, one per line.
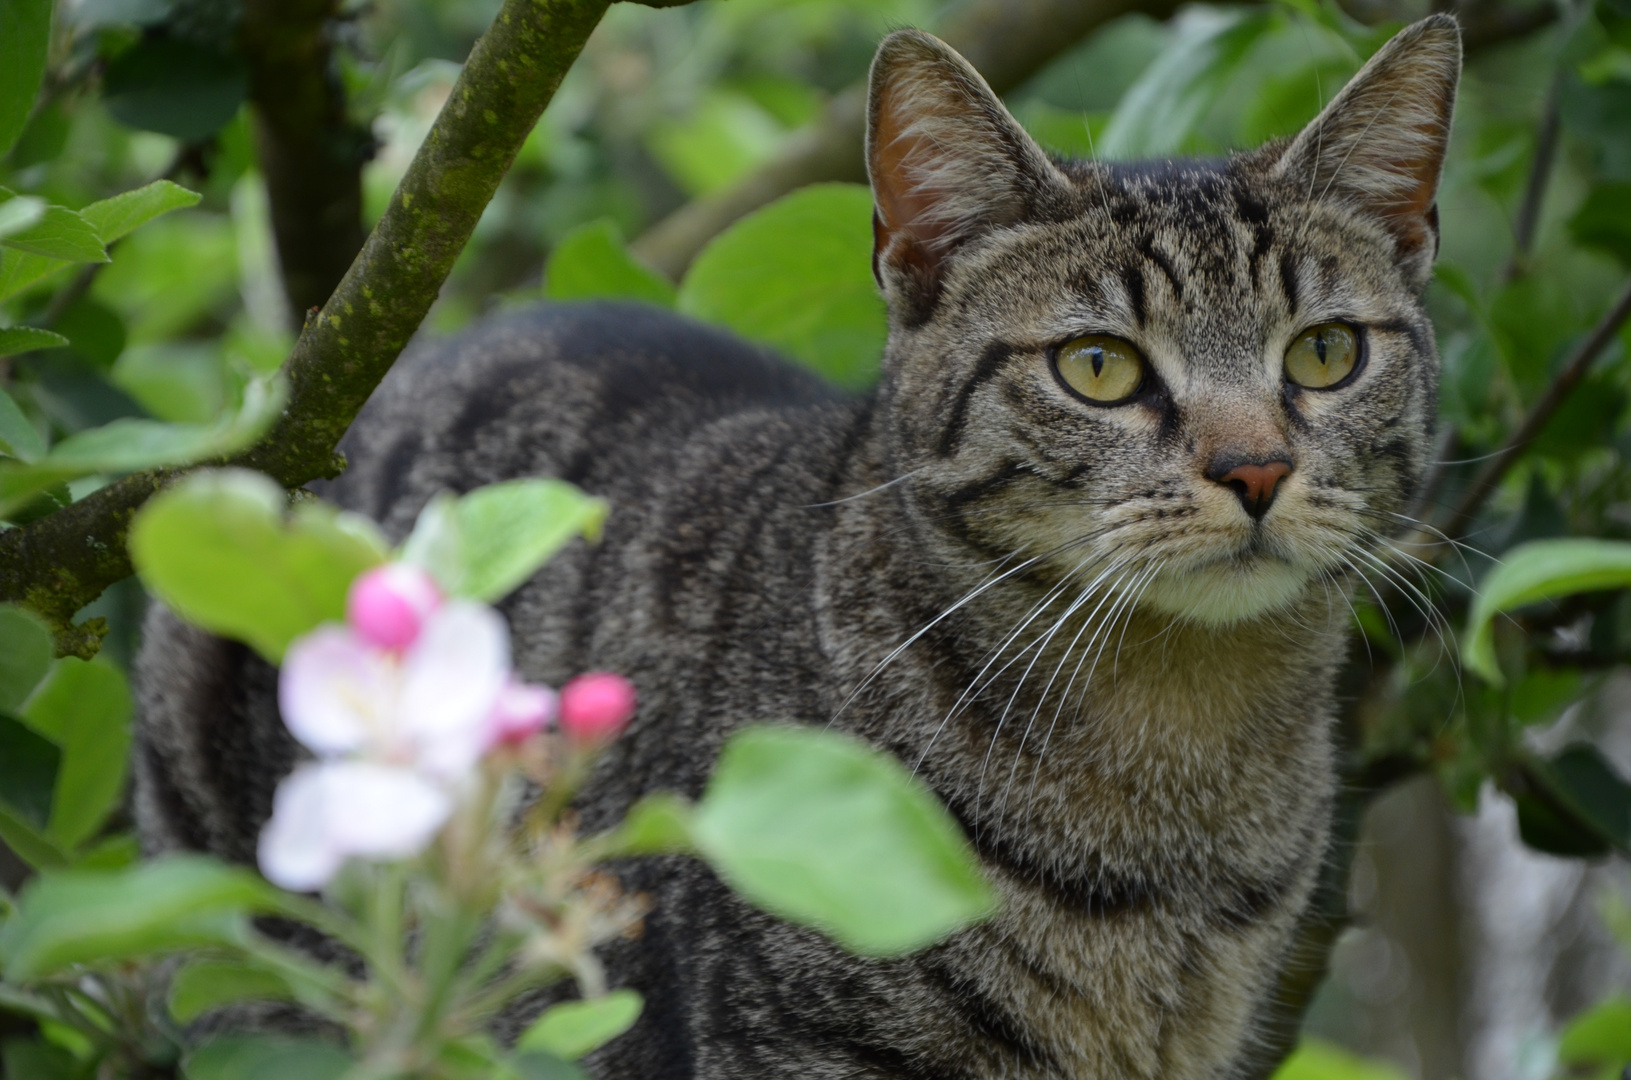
pixel 1322 356
pixel 1105 370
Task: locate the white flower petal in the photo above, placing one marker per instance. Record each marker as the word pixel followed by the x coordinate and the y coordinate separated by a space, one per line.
pixel 380 812
pixel 334 690
pixel 296 849
pixel 453 675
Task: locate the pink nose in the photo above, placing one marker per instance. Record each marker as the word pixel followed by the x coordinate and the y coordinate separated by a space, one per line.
pixel 1254 482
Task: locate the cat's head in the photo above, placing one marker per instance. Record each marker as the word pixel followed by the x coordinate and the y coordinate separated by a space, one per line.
pixel 1210 379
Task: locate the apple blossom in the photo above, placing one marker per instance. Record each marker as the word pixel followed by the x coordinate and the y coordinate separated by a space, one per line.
pixel 522 711
pixel 596 706
pixel 389 604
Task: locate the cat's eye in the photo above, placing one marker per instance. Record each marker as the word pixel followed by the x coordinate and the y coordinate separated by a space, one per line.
pixel 1104 370
pixel 1322 355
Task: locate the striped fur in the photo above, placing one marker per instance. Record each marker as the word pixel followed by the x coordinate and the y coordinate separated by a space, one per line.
pixel 1117 680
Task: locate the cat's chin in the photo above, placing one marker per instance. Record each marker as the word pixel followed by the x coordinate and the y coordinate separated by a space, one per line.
pixel 1226 592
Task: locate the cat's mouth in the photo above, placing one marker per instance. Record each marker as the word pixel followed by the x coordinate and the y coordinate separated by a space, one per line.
pixel 1252 580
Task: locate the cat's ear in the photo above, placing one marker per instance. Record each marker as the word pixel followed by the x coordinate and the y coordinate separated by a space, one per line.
pixel 947 162
pixel 1379 146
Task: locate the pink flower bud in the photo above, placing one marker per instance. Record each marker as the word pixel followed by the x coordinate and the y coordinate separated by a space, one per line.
pixel 596 707
pixel 388 604
pixel 522 710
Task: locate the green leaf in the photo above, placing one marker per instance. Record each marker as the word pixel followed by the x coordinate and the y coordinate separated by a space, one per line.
pixel 1168 102
pixel 219 549
pixel 591 261
pixel 25 38
pixel 265 1057
pixel 36 1059
pixel 658 824
pixel 112 219
pixel 574 1028
pixel 21 339
pixel 26 649
pixel 28 770
pixel 723 138
pixel 129 445
pixel 209 984
pixel 31 843
pixel 1604 220
pixel 1316 1060
pixel 59 234
pixel 19 212
pixel 1539 570
pixel 1543 693
pixel 1599 1036
pixel 821 829
pixel 508 530
pixel 175 87
pixel 18 437
pixel 93 916
pixel 1573 804
pixel 115 217
pixel 797 275
pixel 540 1066
pixel 85 709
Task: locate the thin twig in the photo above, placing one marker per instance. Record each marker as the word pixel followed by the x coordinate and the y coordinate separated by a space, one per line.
pixel 1534 192
pixel 1573 371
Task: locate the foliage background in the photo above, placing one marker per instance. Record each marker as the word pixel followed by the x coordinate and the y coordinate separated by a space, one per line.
pixel 1469 951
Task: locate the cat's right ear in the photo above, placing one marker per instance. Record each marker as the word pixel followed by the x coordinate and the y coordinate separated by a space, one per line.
pixel 947 162
pixel 1379 146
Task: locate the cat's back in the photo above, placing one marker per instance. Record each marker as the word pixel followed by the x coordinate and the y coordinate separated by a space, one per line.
pixel 607 395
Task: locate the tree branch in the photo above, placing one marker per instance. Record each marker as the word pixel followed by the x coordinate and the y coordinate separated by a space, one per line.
pixel 1540 171
pixel 308 148
pixel 1007 41
pixel 59 564
pixel 1579 363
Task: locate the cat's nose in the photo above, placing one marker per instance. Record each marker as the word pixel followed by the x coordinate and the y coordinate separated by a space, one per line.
pixel 1253 481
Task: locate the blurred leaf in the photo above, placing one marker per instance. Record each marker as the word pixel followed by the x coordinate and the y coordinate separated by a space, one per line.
pixel 1574 804
pixel 131 445
pixel 591 261
pixel 720 141
pixel 1599 1036
pixel 219 549
pixel 26 649
pixel 175 87
pixel 203 985
pixel 90 14
pixel 1063 131
pixel 28 771
pixel 658 824
pixel 1539 570
pixel 1604 220
pixel 508 530
pixel 1286 103
pixel 18 437
pixel 115 217
pixel 94 331
pixel 574 1028
pixel 1167 103
pixel 1316 1060
pixel 85 709
pixel 821 829
pixel 19 212
pixel 25 38
pixel 92 916
pixel 58 233
pixel 797 275
pixel 181 383
pixel 112 219
pixel 1544 693
pixel 110 853
pixel 172 277
pixel 36 1059
pixel 540 1066
pixel 265 1057
pixel 21 339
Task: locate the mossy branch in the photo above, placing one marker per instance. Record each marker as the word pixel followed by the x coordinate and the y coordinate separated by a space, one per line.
pixel 58 564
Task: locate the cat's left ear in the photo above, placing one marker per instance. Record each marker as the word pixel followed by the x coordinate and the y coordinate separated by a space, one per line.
pixel 1379 146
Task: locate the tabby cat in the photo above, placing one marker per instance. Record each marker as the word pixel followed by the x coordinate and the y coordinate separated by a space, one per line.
pixel 1080 561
